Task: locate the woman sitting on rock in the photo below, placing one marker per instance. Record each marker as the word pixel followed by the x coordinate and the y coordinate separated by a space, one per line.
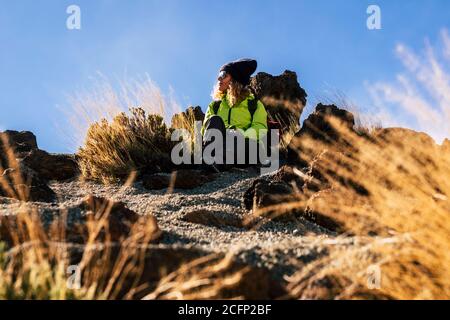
pixel 235 107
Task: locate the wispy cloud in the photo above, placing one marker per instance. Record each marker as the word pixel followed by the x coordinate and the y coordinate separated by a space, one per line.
pixel 446 39
pixel 422 90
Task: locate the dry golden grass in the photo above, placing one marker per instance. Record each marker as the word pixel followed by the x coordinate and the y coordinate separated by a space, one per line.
pixel 209 277
pixel 138 142
pixel 16 176
pixel 37 268
pixel 34 258
pixel 393 184
pixel 105 99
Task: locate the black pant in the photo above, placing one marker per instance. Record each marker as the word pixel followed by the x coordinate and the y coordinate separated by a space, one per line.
pixel 216 122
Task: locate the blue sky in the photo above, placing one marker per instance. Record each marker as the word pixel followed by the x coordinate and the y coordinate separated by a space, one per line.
pixel 181 44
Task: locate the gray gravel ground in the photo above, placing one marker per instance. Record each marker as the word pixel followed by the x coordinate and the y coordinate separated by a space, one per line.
pixel 279 246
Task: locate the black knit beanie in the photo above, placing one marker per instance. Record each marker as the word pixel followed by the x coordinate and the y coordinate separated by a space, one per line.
pixel 241 70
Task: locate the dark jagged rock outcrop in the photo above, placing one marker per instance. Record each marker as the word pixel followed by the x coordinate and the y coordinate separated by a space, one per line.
pixel 24 184
pixel 48 166
pixel 26 169
pixel 324 124
pixel 276 193
pixel 330 158
pixel 283 98
pixel 23 141
pixel 273 190
pixel 304 175
pixel 318 124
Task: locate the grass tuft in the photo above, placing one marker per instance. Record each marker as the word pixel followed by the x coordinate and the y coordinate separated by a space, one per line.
pixel 135 142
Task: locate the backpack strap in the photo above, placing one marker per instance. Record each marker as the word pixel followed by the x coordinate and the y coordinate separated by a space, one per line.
pixel 252 106
pixel 216 106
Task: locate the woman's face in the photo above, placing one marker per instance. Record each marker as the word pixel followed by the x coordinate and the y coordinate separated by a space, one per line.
pixel 224 81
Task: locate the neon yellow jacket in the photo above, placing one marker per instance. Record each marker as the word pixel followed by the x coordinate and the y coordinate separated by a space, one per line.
pixel 238 117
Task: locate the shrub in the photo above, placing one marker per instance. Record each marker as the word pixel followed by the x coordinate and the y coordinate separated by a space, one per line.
pixel 135 142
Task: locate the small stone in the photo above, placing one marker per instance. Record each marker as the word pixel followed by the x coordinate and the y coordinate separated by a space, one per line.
pixel 180 179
